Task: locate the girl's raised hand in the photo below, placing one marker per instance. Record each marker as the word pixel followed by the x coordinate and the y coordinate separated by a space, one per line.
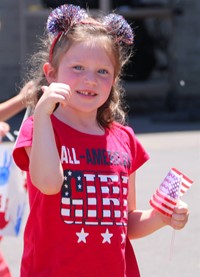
pixel 53 94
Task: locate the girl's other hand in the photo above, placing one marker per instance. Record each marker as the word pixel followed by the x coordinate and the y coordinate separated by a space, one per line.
pixel 179 216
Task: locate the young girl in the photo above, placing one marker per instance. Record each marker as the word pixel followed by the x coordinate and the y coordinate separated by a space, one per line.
pixel 80 158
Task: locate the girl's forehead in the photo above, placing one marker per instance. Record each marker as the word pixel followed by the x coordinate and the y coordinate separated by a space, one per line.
pixel 92 43
pixel 95 46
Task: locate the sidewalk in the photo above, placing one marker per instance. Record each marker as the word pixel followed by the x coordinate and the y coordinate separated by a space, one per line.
pixel 170 143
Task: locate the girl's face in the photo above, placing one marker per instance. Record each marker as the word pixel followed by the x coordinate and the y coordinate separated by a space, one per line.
pixel 89 71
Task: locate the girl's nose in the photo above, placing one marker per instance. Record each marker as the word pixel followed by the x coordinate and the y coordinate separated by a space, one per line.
pixel 90 79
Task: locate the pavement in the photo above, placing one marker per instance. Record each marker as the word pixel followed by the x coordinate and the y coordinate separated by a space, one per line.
pixel 172 141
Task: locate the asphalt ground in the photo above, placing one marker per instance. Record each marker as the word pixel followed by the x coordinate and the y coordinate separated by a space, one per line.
pixel 172 141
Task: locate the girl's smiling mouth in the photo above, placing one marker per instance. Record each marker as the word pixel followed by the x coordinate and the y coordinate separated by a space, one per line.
pixel 86 93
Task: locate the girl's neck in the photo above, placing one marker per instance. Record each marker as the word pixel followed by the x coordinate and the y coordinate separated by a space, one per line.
pixel 83 122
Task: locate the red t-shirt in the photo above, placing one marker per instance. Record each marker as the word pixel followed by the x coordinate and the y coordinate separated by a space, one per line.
pixel 82 230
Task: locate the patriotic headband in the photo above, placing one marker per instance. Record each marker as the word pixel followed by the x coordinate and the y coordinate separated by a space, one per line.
pixel 66 16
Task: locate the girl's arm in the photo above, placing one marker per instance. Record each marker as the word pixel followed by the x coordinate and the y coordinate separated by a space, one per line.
pixel 45 167
pixel 142 223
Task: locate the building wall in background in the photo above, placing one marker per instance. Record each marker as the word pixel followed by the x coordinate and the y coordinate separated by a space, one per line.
pixel 9 48
pixel 187 48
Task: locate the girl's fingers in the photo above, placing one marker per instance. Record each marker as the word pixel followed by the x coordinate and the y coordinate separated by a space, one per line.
pixel 53 94
pixel 180 215
pixel 181 207
pixel 62 91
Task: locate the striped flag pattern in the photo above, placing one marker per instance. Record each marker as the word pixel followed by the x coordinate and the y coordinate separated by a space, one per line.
pixel 94 199
pixel 174 185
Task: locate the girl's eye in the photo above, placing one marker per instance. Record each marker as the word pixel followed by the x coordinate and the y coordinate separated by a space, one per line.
pixel 103 71
pixel 78 67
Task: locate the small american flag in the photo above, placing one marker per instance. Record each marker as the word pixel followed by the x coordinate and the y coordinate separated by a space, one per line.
pixel 166 196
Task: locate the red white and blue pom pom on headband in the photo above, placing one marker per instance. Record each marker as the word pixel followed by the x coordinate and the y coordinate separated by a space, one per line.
pixel 61 19
pixel 119 27
pixel 66 16
pixel 174 185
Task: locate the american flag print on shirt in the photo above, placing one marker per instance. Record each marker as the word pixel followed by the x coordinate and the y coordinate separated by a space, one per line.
pixel 91 198
pixel 174 185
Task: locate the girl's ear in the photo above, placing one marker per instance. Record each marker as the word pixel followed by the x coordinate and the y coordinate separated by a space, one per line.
pixel 115 80
pixel 49 73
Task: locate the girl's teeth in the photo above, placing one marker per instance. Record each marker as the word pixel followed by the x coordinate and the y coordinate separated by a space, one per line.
pixel 86 93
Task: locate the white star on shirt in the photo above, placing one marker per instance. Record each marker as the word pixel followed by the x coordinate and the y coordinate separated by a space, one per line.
pixel 106 236
pixel 82 236
pixel 69 173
